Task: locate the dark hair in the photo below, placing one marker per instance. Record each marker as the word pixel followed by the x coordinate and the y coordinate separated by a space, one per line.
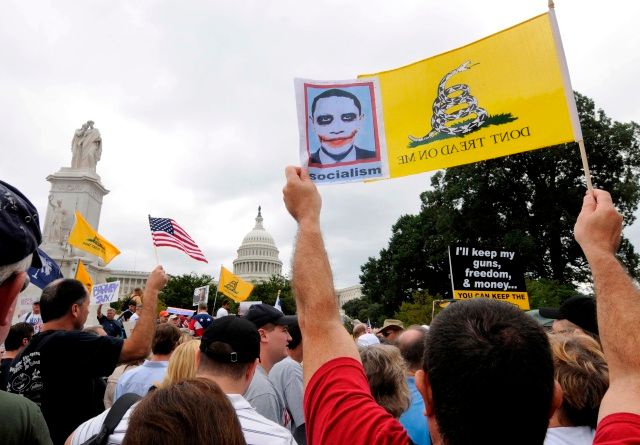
pixel 208 365
pixel 191 411
pixel 484 357
pixel 225 302
pixel 166 339
pixel 17 333
pixel 412 350
pixel 334 92
pixel 296 335
pixel 58 297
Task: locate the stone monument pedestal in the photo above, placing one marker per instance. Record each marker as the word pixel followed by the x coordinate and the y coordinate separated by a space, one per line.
pixel 71 190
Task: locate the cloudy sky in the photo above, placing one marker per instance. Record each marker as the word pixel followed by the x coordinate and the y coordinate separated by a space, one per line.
pixel 196 106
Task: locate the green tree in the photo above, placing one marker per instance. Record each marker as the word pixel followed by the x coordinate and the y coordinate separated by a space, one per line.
pixel 364 309
pixel 267 292
pixel 526 202
pixel 548 293
pixel 179 290
pixel 418 310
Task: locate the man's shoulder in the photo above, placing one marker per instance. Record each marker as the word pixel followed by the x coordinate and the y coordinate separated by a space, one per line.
pixel 258 429
pixel 361 153
pixel 314 158
pixel 618 428
pixel 93 426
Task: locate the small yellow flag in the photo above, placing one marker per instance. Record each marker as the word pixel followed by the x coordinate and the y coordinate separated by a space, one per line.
pixel 507 93
pixel 83 276
pixel 233 286
pixel 84 237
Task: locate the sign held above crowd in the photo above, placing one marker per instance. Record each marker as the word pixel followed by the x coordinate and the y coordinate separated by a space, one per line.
pixel 507 93
pixel 480 272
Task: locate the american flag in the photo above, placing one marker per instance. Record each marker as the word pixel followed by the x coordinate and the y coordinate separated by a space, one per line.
pixel 167 232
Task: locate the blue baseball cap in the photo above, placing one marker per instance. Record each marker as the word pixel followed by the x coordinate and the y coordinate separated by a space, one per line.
pixel 19 227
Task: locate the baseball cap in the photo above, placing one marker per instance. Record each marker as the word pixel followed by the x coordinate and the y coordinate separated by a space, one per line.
pixel 163 314
pixel 231 340
pixel 392 324
pixel 19 227
pixel 579 310
pixel 261 314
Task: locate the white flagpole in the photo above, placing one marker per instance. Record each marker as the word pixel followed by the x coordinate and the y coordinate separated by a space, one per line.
pixel 568 91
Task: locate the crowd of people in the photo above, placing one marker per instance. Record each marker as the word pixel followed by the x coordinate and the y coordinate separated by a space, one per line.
pixel 482 372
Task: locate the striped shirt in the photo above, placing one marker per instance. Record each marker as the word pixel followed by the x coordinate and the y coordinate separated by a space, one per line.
pixel 257 429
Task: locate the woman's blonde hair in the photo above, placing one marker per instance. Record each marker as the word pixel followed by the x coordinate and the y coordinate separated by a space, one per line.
pixel 385 370
pixel 182 364
pixel 582 372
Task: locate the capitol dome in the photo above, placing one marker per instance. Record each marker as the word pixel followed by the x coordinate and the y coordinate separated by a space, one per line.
pixel 257 257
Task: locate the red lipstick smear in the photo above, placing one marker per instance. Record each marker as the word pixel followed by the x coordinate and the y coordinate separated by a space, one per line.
pixel 339 141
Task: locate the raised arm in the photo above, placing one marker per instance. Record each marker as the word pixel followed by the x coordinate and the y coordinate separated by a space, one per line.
pixel 139 345
pixel 598 231
pixel 99 312
pixel 325 338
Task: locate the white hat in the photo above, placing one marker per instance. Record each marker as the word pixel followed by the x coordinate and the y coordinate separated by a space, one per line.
pixel 367 340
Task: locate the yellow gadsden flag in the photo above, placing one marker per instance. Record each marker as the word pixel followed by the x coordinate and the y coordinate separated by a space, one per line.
pixel 84 237
pixel 83 276
pixel 233 286
pixel 507 93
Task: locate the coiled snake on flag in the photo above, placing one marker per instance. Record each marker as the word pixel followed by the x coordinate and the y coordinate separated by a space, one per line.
pixel 443 102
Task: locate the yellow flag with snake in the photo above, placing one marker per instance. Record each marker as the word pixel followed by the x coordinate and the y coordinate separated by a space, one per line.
pixel 507 93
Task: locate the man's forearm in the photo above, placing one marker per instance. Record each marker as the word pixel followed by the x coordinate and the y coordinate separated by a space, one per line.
pixel 139 344
pixel 324 336
pixel 313 281
pixel 618 305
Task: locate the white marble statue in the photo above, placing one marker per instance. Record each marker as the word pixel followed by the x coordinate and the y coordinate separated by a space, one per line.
pixel 56 224
pixel 86 147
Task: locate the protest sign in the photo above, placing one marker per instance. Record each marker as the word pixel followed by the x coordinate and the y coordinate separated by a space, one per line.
pixel 180 311
pixel 341 129
pixel 245 306
pixel 200 295
pixel 105 293
pixel 478 272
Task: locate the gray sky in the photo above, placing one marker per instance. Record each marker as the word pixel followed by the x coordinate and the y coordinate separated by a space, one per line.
pixel 196 106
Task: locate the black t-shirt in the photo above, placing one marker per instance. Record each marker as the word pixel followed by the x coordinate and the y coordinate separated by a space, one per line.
pixel 58 371
pixel 4 372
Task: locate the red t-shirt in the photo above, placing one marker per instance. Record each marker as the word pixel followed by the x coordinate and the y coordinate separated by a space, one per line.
pixel 617 429
pixel 339 408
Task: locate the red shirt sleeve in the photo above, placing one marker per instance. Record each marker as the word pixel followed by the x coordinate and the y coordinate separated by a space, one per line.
pixel 339 408
pixel 618 429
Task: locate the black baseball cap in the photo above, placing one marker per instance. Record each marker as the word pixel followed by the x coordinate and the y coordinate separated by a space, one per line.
pixel 579 310
pixel 231 340
pixel 261 314
pixel 19 227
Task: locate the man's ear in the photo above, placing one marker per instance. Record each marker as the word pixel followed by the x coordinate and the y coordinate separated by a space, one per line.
pixel 424 387
pixel 263 335
pixel 556 399
pixel 9 290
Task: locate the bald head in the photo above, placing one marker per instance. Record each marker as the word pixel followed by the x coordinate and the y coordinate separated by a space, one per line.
pixel 411 345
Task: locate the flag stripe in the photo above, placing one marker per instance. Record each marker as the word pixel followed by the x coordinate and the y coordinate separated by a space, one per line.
pixel 166 232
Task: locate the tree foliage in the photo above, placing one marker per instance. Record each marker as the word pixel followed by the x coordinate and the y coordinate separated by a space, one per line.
pixel 526 202
pixel 267 292
pixel 179 290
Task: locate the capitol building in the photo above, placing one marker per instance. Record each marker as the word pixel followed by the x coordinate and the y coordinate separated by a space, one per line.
pixel 257 257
